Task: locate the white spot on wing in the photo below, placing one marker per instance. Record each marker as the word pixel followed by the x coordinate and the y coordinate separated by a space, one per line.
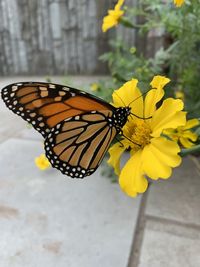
pixel 66 88
pixel 14 88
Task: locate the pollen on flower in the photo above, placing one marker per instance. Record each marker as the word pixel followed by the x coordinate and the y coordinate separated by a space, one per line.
pixel 140 134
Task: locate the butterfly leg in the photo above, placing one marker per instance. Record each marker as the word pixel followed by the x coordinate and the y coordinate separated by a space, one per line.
pixel 122 145
pixel 129 139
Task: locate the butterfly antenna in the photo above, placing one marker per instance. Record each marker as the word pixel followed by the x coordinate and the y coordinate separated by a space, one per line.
pixel 143 118
pixel 141 96
pixel 120 99
pixel 143 110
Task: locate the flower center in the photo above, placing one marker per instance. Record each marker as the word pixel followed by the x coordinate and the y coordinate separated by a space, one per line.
pixel 140 134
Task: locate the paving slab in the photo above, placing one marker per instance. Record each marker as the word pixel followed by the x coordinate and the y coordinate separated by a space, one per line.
pixel 10 125
pixel 170 245
pixel 30 133
pixel 47 219
pixel 177 198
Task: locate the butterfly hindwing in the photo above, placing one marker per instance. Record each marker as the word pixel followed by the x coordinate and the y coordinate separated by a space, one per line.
pixel 77 145
pixel 44 105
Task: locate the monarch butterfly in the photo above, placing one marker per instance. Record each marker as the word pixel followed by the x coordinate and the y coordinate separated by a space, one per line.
pixel 77 126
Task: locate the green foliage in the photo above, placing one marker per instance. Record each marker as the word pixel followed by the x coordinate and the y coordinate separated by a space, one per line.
pixel 182 25
pixel 178 59
pixel 124 63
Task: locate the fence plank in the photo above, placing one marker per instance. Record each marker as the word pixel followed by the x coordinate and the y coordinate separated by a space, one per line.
pixel 51 36
pixel 55 36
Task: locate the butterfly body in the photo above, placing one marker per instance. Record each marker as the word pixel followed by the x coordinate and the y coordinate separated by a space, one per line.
pixel 77 127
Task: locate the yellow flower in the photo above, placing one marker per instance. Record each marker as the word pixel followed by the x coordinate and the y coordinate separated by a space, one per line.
pixel 183 135
pixel 179 3
pixel 94 87
pixel 151 154
pixel 133 50
pixel 42 162
pixel 179 94
pixel 113 17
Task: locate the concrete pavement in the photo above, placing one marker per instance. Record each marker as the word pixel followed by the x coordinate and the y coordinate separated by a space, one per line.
pixel 50 220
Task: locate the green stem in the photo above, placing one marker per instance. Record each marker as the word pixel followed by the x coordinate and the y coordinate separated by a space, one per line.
pixel 127 23
pixel 187 151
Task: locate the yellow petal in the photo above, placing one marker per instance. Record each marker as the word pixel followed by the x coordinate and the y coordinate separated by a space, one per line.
pixel 179 3
pixel 155 95
pixel 113 17
pixel 127 95
pixel 185 142
pixel 42 162
pixel 166 151
pixel 168 131
pixel 108 22
pixel 169 115
pixel 132 180
pixel 159 82
pixel 115 154
pixel 94 87
pixel 119 4
pixel 159 156
pixel 172 134
pixel 190 135
pixel 191 124
pixel 179 94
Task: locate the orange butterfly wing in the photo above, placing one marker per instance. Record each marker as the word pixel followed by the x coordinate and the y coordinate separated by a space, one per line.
pixel 78 127
pixel 44 105
pixel 77 145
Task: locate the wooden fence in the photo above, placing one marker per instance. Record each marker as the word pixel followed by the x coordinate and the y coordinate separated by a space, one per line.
pixel 54 36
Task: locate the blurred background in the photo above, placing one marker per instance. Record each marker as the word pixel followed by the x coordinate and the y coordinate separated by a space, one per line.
pixel 51 37
pixel 49 220
pixel 59 37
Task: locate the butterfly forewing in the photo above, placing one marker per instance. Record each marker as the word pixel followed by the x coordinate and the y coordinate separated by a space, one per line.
pixel 44 105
